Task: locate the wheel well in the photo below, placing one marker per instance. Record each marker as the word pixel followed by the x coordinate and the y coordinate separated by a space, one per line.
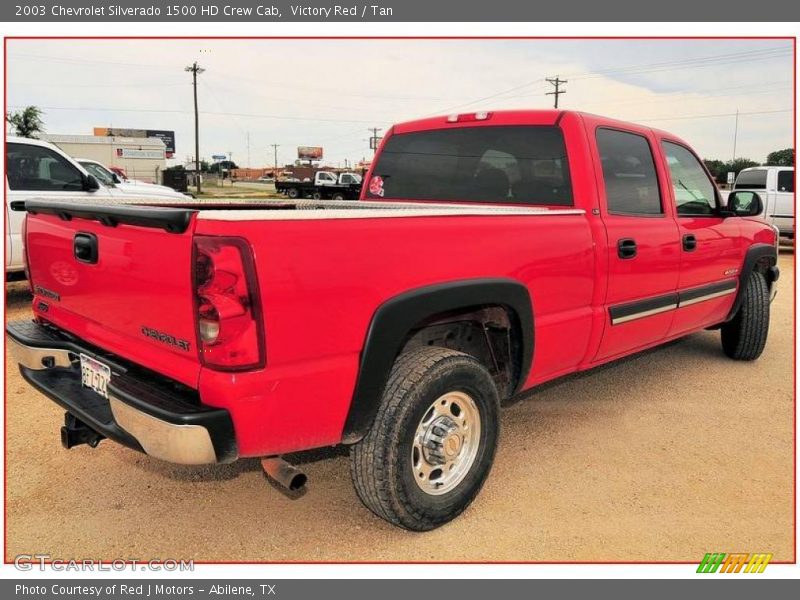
pixel 492 334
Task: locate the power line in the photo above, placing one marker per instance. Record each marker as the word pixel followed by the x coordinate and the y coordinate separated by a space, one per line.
pixel 711 116
pixel 203 112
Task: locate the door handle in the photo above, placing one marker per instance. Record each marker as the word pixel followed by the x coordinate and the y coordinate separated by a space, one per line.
pixel 689 242
pixel 626 248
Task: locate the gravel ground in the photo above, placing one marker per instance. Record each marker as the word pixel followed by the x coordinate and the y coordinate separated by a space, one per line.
pixel 662 457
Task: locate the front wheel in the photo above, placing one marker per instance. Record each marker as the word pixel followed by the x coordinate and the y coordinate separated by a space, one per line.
pixel 744 336
pixel 432 443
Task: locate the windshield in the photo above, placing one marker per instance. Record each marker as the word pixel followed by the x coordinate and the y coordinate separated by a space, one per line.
pixel 103 175
pixel 502 164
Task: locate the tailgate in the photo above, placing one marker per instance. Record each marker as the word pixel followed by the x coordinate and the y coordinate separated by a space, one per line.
pixel 119 277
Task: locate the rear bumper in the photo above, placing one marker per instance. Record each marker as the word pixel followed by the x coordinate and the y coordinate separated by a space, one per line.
pixel 144 411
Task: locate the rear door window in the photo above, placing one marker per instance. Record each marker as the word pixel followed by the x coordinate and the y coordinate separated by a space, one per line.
pixel 491 164
pixel 786 181
pixel 629 173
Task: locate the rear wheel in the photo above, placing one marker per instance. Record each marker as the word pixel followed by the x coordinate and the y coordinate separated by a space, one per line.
pixel 316 196
pixel 432 443
pixel 338 196
pixel 293 193
pixel 744 336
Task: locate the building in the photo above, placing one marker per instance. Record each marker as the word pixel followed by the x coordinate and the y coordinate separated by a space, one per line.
pixel 141 158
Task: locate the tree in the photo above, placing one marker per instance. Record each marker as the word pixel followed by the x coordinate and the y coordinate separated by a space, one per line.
pixel 26 122
pixel 717 169
pixel 739 164
pixel 781 158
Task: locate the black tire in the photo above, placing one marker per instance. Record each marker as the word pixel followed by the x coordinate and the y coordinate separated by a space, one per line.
pixel 381 464
pixel 316 196
pixel 338 196
pixel 744 336
pixel 293 193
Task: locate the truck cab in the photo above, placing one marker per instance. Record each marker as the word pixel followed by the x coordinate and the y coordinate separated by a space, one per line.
pixel 776 185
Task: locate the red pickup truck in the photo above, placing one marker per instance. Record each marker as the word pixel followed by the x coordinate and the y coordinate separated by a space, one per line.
pixel 489 253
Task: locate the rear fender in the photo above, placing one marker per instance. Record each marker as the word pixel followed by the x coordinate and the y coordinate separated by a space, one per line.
pixel 398 316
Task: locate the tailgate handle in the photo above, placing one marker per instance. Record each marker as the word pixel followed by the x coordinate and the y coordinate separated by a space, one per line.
pixel 84 247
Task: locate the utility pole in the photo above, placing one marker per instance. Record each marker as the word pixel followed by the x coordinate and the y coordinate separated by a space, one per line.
pixel 275 150
pixel 735 133
pixel 248 149
pixel 557 92
pixel 195 70
pixel 374 139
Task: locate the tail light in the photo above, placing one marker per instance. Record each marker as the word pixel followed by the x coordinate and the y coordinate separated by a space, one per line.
pixel 230 328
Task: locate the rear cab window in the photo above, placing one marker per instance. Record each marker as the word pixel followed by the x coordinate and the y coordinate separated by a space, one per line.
pixel 751 180
pixel 488 164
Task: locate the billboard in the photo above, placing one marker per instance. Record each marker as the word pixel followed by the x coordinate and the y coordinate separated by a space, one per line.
pixel 309 152
pixel 139 153
pixel 168 137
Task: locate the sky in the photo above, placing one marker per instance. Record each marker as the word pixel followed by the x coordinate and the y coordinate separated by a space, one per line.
pixel 330 92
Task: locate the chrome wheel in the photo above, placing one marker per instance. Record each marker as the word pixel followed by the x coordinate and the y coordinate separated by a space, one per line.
pixel 446 443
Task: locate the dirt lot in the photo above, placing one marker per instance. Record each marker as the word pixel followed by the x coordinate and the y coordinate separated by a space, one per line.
pixel 662 457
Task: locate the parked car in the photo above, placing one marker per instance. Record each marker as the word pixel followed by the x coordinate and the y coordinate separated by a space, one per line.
pixel 489 253
pixel 37 169
pixel 126 187
pixel 266 179
pixel 326 185
pixel 776 185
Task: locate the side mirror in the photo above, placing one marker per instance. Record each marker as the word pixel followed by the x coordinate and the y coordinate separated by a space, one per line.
pixel 743 203
pixel 116 178
pixel 90 184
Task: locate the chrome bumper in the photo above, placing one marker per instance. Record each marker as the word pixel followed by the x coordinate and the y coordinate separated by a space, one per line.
pixel 182 444
pixel 180 433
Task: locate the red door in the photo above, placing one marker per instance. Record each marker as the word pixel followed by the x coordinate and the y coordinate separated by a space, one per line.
pixel 642 241
pixel 711 252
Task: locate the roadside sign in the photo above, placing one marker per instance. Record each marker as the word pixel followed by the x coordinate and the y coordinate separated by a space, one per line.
pixel 731 177
pixel 219 156
pixel 309 152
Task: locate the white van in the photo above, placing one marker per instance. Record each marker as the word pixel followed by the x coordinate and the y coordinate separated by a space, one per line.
pixel 37 169
pixel 776 187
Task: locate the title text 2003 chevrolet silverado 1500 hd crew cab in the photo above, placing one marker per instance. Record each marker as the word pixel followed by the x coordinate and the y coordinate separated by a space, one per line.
pixel 489 253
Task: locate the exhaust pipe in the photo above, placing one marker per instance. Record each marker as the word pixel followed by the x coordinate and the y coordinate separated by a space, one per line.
pixel 281 472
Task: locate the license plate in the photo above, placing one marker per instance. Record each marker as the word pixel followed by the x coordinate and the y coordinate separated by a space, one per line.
pixel 95 375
